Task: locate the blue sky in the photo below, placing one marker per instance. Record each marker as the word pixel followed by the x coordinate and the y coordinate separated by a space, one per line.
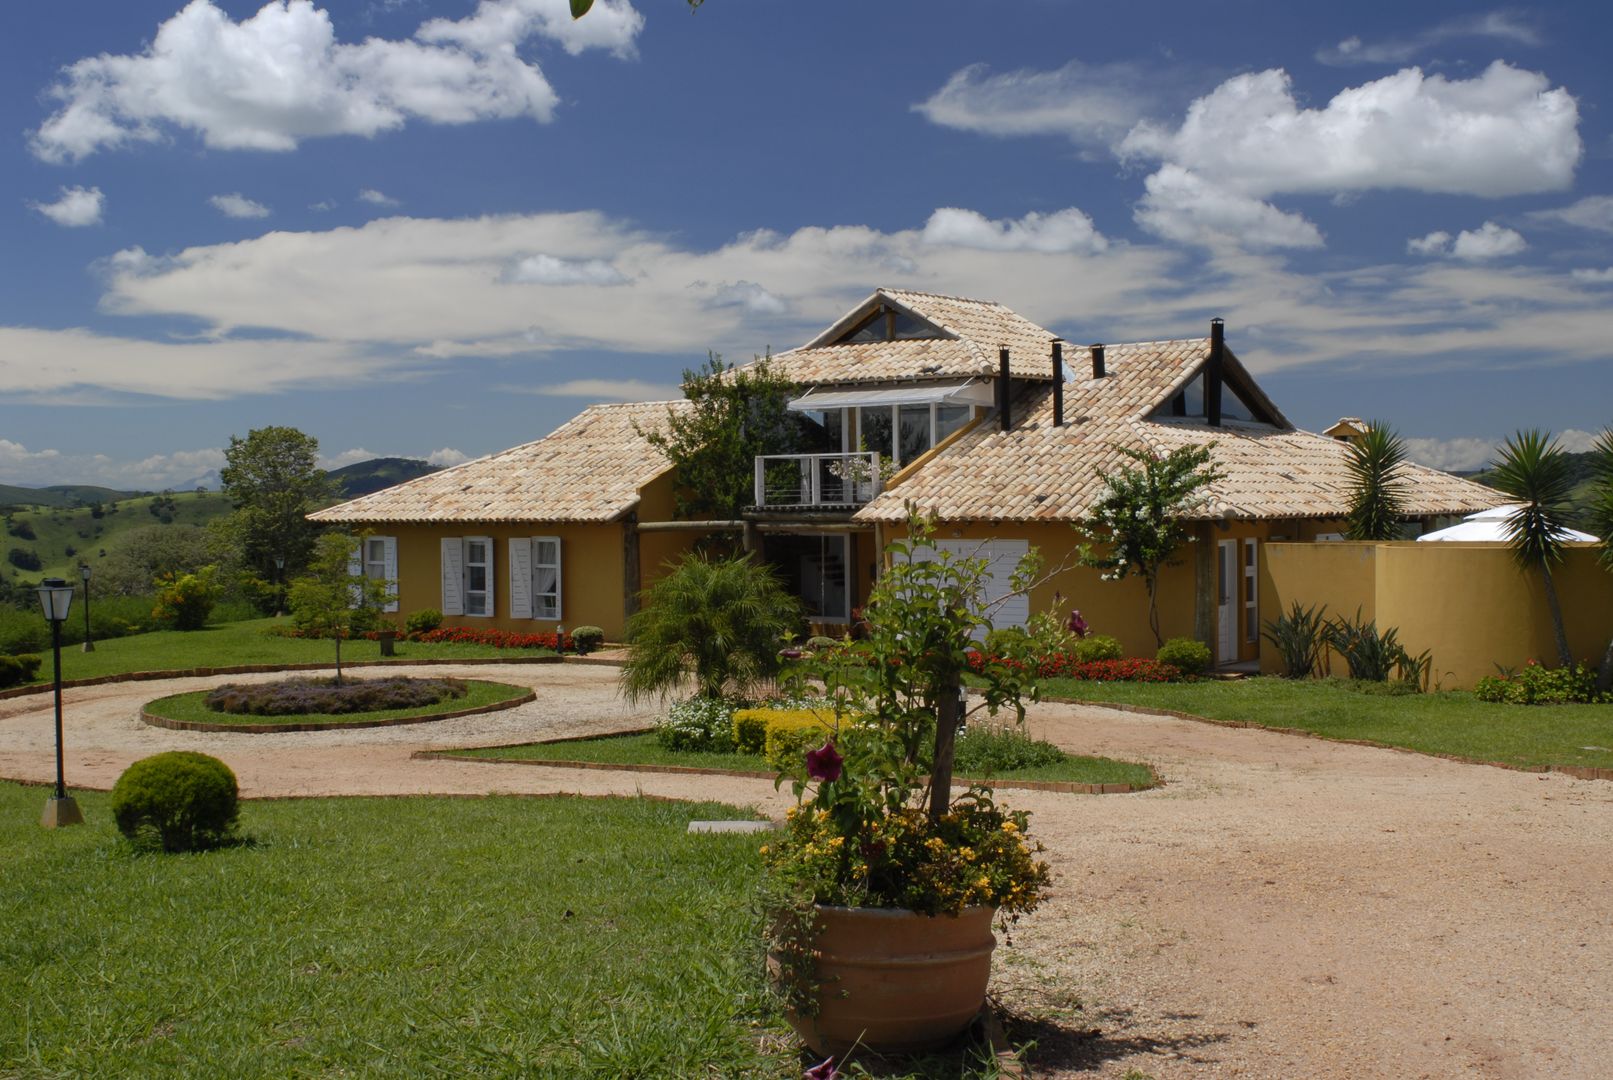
pixel 441 228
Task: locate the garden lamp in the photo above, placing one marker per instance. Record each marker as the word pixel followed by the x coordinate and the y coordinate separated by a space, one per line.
pixel 55 598
pixel 559 639
pixel 279 581
pixel 84 572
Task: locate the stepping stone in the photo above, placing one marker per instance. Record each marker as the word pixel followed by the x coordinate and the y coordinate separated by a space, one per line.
pixel 731 826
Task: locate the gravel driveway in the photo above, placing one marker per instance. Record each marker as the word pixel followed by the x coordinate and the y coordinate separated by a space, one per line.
pixel 1283 908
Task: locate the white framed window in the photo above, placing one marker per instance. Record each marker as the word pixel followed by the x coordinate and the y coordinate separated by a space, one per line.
pixel 478 576
pixel 380 563
pixel 1251 587
pixel 535 577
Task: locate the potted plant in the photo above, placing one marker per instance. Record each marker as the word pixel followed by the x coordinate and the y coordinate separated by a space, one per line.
pixel 882 887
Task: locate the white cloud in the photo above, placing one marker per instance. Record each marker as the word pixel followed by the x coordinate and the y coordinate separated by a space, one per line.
pixel 605 390
pixel 1594 277
pixel 280 76
pixel 75 208
pixel 323 205
pixel 447 456
pixel 748 296
pixel 1064 231
pixel 1594 212
pixel 1464 454
pixel 1435 243
pixel 236 205
pixel 1180 205
pixel 1496 25
pixel 1092 105
pixel 378 198
pixel 183 468
pixel 1488 241
pixel 1576 441
pixel 551 270
pixel 346 457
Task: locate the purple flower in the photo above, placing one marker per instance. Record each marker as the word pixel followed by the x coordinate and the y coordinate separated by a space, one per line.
pixel 823 1070
pixel 1076 625
pixel 823 763
pixel 790 654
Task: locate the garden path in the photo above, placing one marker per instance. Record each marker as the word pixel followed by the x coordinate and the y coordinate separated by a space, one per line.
pixel 1283 907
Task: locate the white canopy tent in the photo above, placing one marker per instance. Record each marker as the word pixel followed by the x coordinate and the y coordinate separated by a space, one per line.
pixel 1491 526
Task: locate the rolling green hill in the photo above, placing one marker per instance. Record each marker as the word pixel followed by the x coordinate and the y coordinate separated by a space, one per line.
pixel 378 473
pixel 61 495
pixel 62 537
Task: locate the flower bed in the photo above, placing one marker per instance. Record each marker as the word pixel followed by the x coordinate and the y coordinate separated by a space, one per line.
pixel 490 637
pixel 1066 666
pixel 295 697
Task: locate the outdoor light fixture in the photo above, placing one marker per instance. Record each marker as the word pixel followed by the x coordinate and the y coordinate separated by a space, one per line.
pixel 84 572
pixel 55 599
pixel 280 582
pixel 559 639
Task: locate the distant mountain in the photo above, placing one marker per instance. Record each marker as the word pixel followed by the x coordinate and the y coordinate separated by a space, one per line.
pixel 377 473
pixel 61 495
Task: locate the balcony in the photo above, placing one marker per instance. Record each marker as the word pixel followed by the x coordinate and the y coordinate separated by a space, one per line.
pixel 816 481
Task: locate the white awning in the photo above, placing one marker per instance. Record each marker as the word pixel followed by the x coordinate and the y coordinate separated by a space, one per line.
pixel 964 393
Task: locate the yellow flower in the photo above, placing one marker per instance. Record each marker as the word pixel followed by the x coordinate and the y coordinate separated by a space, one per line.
pixel 764 849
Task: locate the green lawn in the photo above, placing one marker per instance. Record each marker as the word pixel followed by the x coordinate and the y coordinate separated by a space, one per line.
pixel 230 644
pixel 191 707
pixel 1449 722
pixel 644 749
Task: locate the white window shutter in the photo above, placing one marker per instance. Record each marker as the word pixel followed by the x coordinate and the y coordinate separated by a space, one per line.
pixel 492 579
pixel 391 571
pixel 520 577
pixel 355 569
pixel 453 576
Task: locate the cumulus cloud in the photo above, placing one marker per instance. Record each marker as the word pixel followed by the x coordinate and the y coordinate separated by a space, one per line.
pixel 378 198
pixel 1495 25
pixel 280 76
pixel 1463 454
pixel 236 205
pixel 1594 277
pixel 1435 243
pixel 1182 206
pixel 605 390
pixel 748 296
pixel 447 456
pixel 1064 231
pixel 1488 241
pixel 75 207
pixel 1594 212
pixel 346 457
pixel 1092 105
pixel 182 468
pixel 552 270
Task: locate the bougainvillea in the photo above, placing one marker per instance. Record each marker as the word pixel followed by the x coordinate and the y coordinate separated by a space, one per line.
pixel 1065 666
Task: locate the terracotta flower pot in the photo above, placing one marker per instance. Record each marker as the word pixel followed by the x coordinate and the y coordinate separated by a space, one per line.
pixel 893 981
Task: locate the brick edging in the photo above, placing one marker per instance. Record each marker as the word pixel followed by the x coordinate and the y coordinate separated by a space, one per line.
pixel 1579 772
pixel 275 729
pixel 259 669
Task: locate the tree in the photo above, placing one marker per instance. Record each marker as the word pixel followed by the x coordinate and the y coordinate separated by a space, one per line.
pixel 724 620
pixel 1601 522
pixel 274 480
pixel 330 600
pixel 1140 516
pixel 1378 490
pixel 1534 470
pixel 735 416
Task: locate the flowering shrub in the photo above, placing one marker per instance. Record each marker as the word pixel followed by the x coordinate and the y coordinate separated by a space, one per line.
pixel 184 601
pixel 1537 685
pixel 298 697
pixel 699 723
pixel 1067 666
pixel 489 637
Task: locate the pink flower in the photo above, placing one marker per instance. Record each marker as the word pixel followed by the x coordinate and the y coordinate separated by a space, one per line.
pixel 1077 625
pixel 823 1070
pixel 824 763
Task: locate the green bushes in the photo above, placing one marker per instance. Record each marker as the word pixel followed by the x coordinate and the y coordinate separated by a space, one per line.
pixel 1537 685
pixel 177 801
pixel 1373 656
pixel 1191 656
pixel 1095 647
pixel 184 601
pixel 23 559
pixel 699 724
pixel 585 639
pixel 303 697
pixel 423 621
pixel 16 670
pixel 1299 638
pixel 987 750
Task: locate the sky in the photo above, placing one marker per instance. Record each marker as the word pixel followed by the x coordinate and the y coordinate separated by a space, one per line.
pixel 439 228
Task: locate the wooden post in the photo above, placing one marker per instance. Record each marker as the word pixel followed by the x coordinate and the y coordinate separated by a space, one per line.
pixel 1204 590
pixel 630 565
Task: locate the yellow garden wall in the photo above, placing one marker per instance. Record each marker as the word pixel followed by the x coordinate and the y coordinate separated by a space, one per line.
pixel 1467 603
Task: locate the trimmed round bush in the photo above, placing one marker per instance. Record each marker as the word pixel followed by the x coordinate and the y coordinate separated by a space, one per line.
pixel 423 621
pixel 1006 641
pixel 176 801
pixel 1095 647
pixel 16 670
pixel 1185 653
pixel 585 639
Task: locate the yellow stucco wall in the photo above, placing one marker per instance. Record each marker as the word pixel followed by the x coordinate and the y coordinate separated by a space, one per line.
pixel 1468 604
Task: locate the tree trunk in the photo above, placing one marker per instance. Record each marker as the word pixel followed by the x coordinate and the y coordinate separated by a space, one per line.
pixel 1564 657
pixel 338 658
pixel 1153 608
pixel 946 741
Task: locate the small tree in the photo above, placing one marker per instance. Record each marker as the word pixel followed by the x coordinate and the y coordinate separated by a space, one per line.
pixel 1140 516
pixel 1377 488
pixel 274 480
pixel 1534 470
pixel 1601 521
pixel 331 599
pixel 721 619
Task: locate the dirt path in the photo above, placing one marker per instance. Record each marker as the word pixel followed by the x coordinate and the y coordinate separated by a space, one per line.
pixel 1284 908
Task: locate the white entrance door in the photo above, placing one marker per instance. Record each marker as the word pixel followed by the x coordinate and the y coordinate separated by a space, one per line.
pixel 1228 579
pixel 1002 559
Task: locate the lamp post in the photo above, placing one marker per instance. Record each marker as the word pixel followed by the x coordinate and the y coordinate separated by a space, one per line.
pixel 560 639
pixel 84 572
pixel 279 585
pixel 55 599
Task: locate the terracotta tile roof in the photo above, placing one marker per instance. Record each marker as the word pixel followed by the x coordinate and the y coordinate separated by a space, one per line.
pixel 978 328
pixel 1037 472
pixel 589 469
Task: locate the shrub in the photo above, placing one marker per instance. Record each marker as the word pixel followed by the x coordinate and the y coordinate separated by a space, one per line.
pixel 22 530
pixel 16 670
pixel 1007 641
pixel 491 637
pixel 1299 638
pixel 985 750
pixel 1537 685
pixel 585 639
pixel 1373 656
pixel 699 724
pixel 23 559
pixel 178 801
pixel 1095 647
pixel 302 697
pixel 818 643
pixel 1189 655
pixel 184 601
pixel 423 621
pixel 771 730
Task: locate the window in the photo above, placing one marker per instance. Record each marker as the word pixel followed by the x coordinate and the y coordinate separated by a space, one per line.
pixel 888 324
pixel 1251 599
pixel 913 424
pixel 478 576
pixel 546 577
pixel 1189 402
pixel 874 430
pixel 380 563
pixel 949 418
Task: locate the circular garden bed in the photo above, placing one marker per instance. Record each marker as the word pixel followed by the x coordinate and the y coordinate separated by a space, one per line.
pixel 309 704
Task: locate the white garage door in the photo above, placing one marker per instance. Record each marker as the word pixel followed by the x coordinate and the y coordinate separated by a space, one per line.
pixel 1003 557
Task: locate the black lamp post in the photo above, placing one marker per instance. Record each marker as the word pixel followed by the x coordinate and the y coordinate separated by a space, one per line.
pixel 55 599
pixel 279 585
pixel 84 572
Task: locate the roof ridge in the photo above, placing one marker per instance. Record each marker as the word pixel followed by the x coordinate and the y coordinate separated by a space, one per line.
pixel 946 296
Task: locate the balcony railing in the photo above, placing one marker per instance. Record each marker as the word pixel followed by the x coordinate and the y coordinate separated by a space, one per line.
pixel 804 481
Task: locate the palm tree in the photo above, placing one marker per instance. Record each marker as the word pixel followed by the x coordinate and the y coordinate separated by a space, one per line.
pixel 1534 470
pixel 723 620
pixel 1601 520
pixel 1378 493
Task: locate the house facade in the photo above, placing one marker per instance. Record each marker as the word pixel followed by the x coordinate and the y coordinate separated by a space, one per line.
pixel 978 417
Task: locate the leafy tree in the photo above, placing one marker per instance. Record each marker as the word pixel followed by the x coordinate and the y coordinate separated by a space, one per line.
pixel 184 601
pixel 1533 470
pixel 274 480
pixel 330 600
pixel 1140 516
pixel 736 415
pixel 1377 485
pixel 1601 522
pixel 722 620
pixel 149 552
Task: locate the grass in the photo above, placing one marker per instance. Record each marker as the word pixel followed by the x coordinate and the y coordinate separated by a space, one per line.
pixel 1446 722
pixel 644 749
pixel 231 644
pixel 58 528
pixel 192 707
pixel 386 937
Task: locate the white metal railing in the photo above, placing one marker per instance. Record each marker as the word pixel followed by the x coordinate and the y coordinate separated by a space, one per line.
pixel 807 480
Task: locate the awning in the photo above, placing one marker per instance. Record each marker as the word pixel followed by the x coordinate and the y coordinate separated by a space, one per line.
pixel 969 392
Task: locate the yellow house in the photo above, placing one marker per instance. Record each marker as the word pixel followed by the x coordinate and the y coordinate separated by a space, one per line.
pixel 978 416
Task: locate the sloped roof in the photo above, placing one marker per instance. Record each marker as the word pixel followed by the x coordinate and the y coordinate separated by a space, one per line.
pixel 1038 472
pixel 589 469
pixel 977 329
